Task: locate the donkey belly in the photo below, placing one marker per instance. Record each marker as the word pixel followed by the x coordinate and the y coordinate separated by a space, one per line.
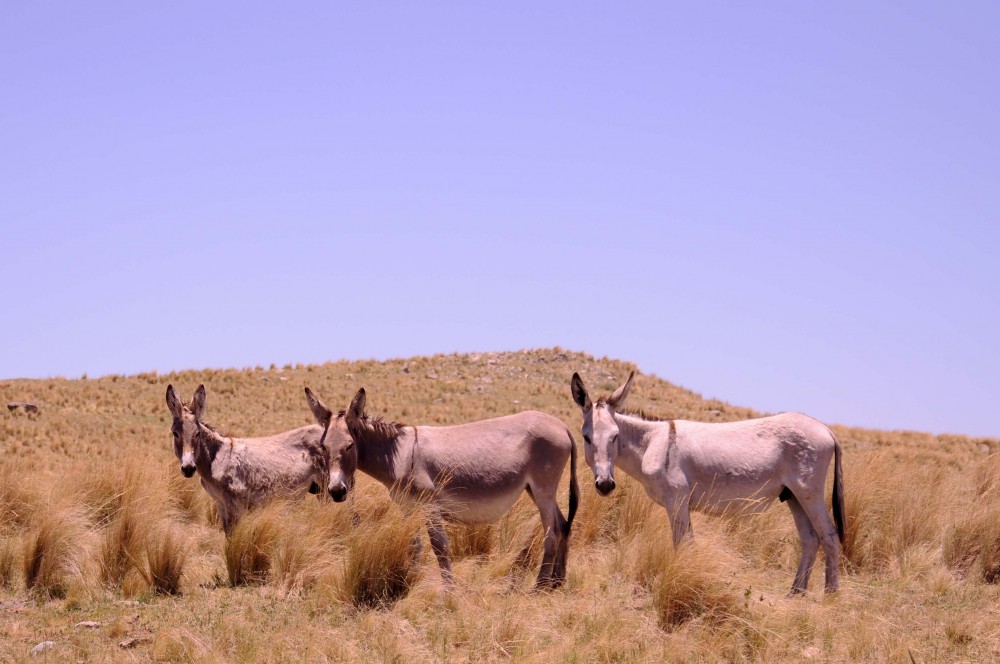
pixel 735 495
pixel 475 507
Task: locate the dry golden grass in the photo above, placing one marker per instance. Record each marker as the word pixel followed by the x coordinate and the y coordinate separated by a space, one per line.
pixel 97 524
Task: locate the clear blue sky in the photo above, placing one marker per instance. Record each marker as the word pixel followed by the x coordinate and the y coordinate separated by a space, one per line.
pixel 785 206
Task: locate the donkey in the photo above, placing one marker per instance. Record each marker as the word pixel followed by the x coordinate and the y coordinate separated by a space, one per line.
pixel 470 473
pixel 712 468
pixel 242 473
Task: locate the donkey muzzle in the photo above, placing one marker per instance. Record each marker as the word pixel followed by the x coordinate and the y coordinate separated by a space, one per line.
pixel 604 485
pixel 188 471
pixel 338 492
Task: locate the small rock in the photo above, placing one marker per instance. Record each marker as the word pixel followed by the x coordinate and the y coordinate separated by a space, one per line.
pixel 89 624
pixel 432 376
pixel 42 647
pixel 811 652
pixel 515 401
pixel 406 369
pixel 132 619
pixel 283 378
pixel 715 413
pixel 134 640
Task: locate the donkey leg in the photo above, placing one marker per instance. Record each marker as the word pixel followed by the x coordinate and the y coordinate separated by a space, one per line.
pixel 679 512
pixel 810 545
pixel 552 572
pixel 439 542
pixel 825 529
pixel 220 509
pixel 416 547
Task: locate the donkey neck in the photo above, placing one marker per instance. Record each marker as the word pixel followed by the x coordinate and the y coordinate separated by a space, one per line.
pixel 388 461
pixel 208 442
pixel 634 436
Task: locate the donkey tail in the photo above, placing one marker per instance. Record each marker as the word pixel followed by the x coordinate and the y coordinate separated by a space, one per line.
pixel 838 489
pixel 574 487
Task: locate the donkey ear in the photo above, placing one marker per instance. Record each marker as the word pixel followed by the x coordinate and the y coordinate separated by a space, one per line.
pixel 318 408
pixel 618 398
pixel 173 403
pixel 580 395
pixel 357 408
pixel 198 403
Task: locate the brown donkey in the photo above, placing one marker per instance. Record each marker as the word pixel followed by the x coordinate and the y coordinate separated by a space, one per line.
pixel 470 473
pixel 242 473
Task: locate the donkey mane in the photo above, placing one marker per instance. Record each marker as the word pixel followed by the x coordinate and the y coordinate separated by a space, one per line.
pixel 206 425
pixel 641 414
pixel 373 429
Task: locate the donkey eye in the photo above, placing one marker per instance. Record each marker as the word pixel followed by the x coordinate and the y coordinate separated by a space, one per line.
pixel 586 439
pixel 349 446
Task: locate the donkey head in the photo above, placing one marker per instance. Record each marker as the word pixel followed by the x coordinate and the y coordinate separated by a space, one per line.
pixel 187 421
pixel 600 432
pixel 341 451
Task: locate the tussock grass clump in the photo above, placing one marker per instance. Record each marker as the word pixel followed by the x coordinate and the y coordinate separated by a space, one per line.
pixel 121 547
pixel 166 555
pixel 381 567
pixel 470 541
pixel 690 586
pixel 286 543
pixel 54 552
pixel 686 583
pixel 188 497
pixel 249 547
pixel 16 503
pixel 767 538
pixel 612 518
pixel 972 544
pixel 518 540
pixel 9 560
pixel 892 509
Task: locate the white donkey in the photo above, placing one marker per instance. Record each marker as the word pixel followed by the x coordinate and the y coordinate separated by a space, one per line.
pixel 242 473
pixel 471 473
pixel 716 467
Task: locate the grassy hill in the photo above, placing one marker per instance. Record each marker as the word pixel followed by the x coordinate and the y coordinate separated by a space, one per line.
pixel 95 514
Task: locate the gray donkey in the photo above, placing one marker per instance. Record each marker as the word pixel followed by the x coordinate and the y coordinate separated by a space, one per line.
pixel 242 473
